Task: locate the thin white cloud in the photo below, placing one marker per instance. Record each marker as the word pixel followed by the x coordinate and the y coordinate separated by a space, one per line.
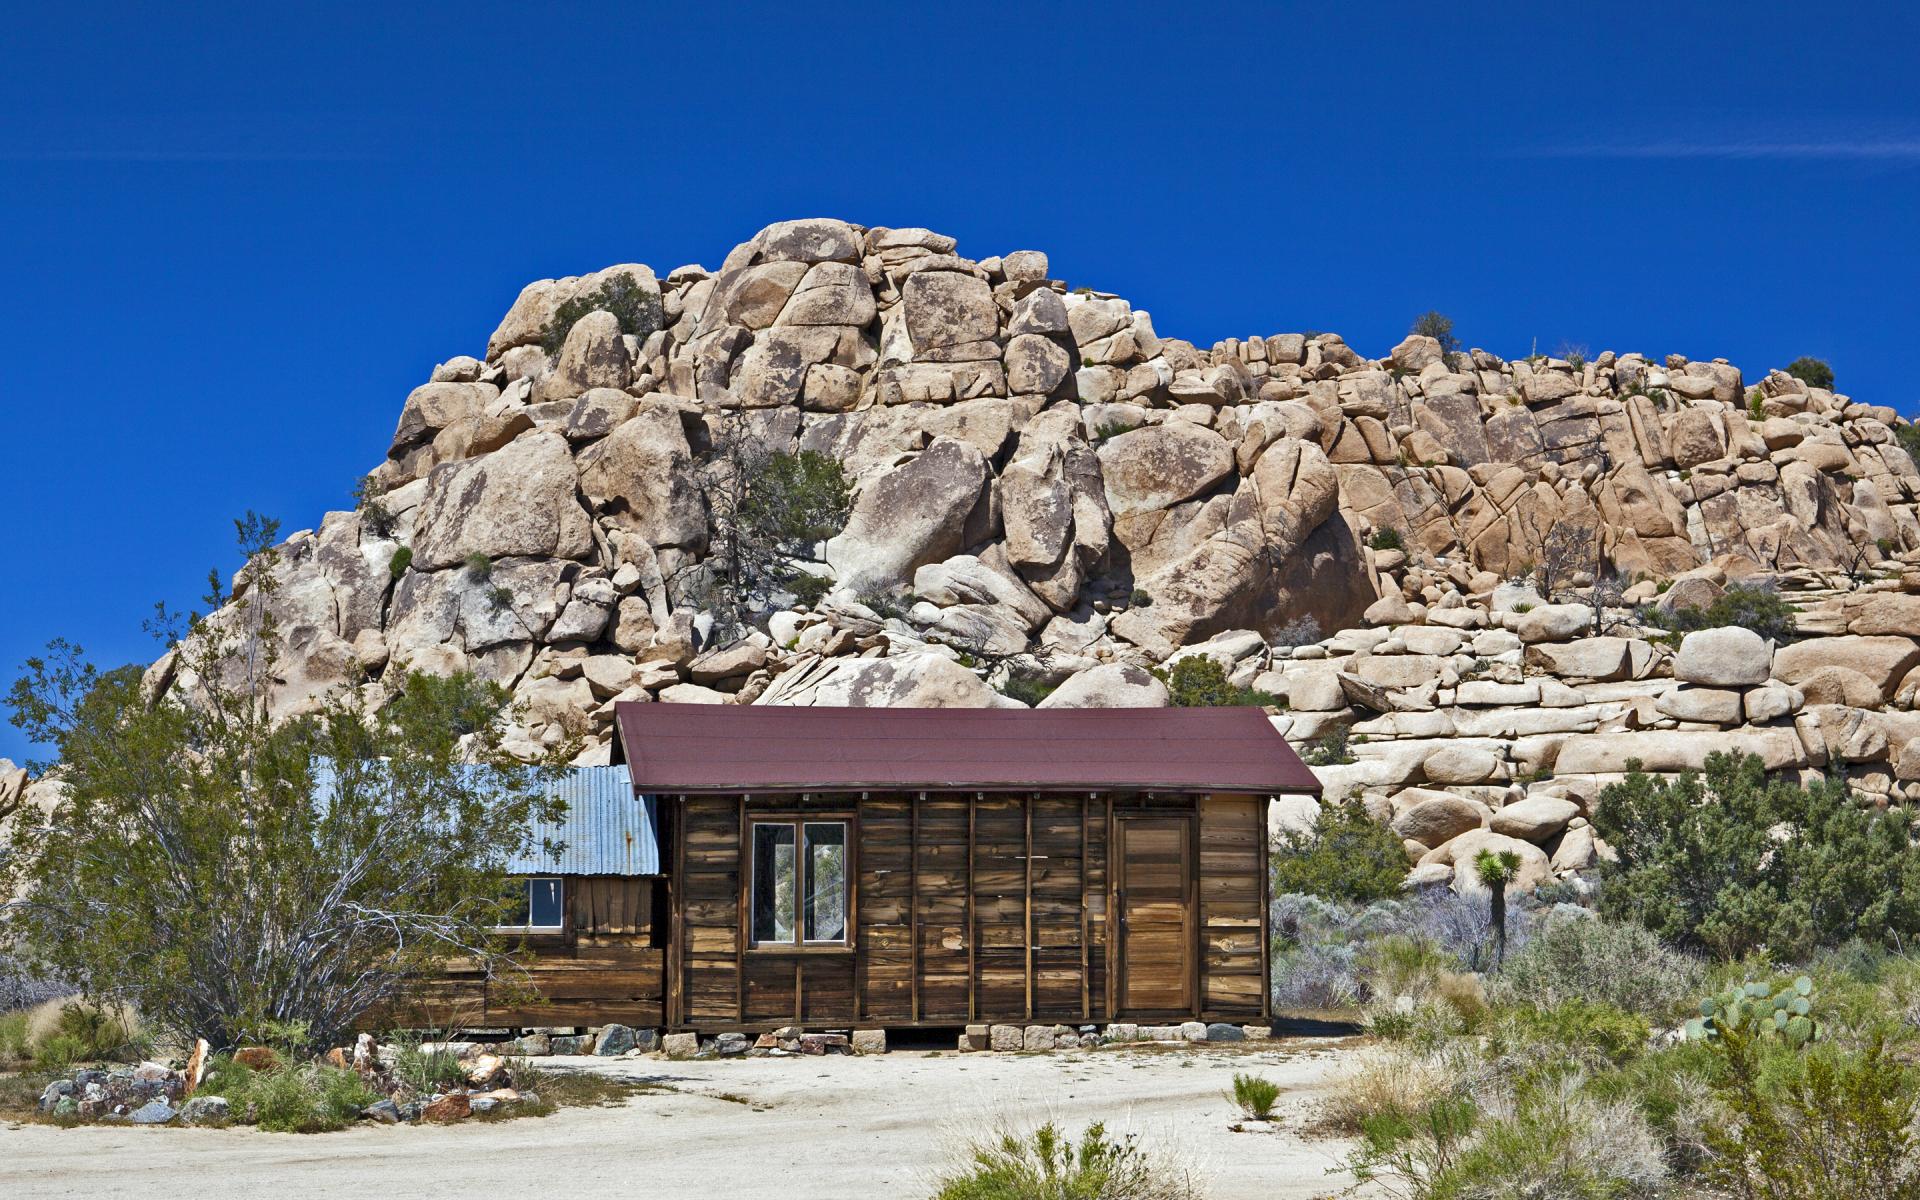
pixel 181 156
pixel 1885 150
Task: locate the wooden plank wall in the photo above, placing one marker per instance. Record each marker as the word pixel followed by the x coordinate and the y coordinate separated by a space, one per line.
pixel 966 908
pixel 602 968
pixel 1232 893
pixel 988 908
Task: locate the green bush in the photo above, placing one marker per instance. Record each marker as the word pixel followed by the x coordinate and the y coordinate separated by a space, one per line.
pixel 13 1038
pixel 401 560
pixel 301 1098
pixel 1811 371
pixel 1553 1141
pixel 1199 681
pixel 1254 1095
pixel 1113 429
pixel 1386 538
pixel 1048 1165
pixel 1439 327
pixel 427 1070
pixel 1833 1121
pixel 1141 598
pixel 637 308
pixel 1586 1031
pixel 1029 692
pixel 1602 962
pixel 1757 608
pixel 89 1033
pixel 1331 749
pixel 1735 861
pixel 1347 855
pixel 1908 436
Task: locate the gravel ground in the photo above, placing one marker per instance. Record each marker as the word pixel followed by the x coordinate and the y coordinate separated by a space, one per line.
pixel 795 1129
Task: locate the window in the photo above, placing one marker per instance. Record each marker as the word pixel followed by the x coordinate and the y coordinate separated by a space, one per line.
pixel 799 882
pixel 534 904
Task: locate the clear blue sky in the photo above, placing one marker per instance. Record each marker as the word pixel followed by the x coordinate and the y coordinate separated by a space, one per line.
pixel 232 237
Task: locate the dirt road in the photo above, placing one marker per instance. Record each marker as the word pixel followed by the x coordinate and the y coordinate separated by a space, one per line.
pixel 774 1129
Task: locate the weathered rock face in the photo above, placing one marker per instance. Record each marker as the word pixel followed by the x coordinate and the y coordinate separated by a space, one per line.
pixel 1044 483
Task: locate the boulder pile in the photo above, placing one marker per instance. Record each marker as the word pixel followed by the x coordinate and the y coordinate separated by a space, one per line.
pixel 1051 499
pixel 1497 727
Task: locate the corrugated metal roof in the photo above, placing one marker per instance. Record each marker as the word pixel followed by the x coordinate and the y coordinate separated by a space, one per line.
pixel 606 830
pixel 751 748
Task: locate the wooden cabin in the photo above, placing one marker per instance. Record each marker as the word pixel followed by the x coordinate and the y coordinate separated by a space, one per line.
pixel 933 867
pixel 901 868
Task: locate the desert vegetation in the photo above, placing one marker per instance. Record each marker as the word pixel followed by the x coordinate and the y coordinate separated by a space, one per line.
pixel 1728 1011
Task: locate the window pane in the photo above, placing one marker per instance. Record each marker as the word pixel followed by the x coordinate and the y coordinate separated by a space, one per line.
pixel 514 915
pixel 773 883
pixel 826 882
pixel 544 911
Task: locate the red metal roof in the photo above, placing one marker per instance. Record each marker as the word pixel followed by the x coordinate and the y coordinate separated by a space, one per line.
pixel 748 748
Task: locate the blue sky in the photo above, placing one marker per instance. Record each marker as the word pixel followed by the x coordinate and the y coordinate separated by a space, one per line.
pixel 233 237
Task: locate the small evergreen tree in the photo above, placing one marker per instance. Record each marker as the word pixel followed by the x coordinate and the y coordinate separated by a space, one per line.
pixel 1199 681
pixel 1346 855
pixel 1732 862
pixel 1813 372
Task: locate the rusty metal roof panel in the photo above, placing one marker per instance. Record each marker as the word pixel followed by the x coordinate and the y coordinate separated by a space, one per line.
pixel 607 830
pixel 747 748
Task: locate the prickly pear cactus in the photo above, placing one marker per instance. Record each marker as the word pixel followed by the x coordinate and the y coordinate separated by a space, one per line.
pixel 1756 1010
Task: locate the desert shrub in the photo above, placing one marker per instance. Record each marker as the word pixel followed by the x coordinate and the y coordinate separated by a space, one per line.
pixel 298 1098
pixel 808 588
pixel 401 560
pixel 1439 327
pixel 1029 692
pixel 1587 1031
pixel 1331 749
pixel 1318 944
pixel 427 1070
pixel 1734 861
pixel 1386 538
pixel 1813 372
pixel 1048 1165
pixel 1113 429
pixel 367 501
pixel 1756 405
pixel 636 307
pixel 1255 1096
pixel 254 869
pixel 22 987
pixel 1908 435
pixel 1346 855
pixel 1604 962
pixel 13 1038
pixel 62 1033
pixel 1395 1082
pixel 478 565
pixel 1832 1121
pixel 1553 1139
pixel 1748 606
pixel 1199 681
pixel 1301 631
pixel 1141 598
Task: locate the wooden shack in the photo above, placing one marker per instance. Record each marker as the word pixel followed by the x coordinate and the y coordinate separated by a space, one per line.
pixel 933 867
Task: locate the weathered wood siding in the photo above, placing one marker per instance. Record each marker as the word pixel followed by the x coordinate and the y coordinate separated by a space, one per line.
pixel 987 908
pixel 1232 882
pixel 602 967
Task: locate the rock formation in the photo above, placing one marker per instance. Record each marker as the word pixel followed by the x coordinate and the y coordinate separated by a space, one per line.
pixel 1046 486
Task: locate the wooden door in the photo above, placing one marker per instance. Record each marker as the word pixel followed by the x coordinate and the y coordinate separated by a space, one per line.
pixel 1154 889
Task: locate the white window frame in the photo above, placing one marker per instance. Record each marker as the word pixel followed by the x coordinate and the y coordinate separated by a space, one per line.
pixel 527 881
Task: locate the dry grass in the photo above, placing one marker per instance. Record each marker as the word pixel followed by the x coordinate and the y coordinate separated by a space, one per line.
pixel 1388 1080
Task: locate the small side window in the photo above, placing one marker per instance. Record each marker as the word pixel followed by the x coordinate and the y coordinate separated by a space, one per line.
pixel 535 905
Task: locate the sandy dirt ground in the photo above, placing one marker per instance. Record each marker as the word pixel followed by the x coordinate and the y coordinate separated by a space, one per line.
pixel 832 1128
